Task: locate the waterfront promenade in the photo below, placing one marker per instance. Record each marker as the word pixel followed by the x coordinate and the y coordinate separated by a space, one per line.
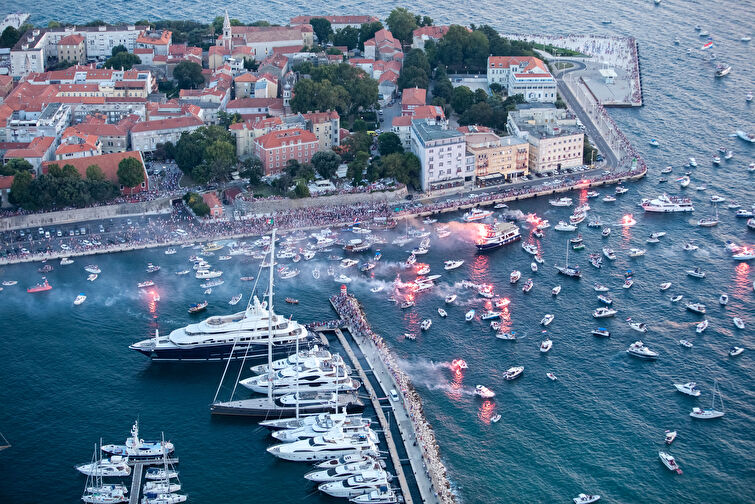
pixel 418 435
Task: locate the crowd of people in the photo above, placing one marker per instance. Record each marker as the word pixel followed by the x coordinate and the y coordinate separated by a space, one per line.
pixel 353 316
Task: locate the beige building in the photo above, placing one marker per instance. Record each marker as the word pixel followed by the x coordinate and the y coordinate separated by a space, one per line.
pixel 326 126
pixel 71 48
pixel 556 141
pixel 498 158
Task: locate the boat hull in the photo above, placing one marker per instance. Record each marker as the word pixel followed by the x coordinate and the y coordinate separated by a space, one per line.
pixel 261 408
pixel 494 244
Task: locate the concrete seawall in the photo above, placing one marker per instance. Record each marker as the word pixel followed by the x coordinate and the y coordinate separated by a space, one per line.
pixel 267 206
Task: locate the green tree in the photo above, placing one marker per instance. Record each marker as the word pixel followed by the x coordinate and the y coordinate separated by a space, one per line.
pixel 70 172
pixel 20 190
pixel 188 75
pixel 225 119
pixel 16 165
pixel 367 31
pixel 326 163
pixel 292 168
pixel 413 77
pixel 9 37
pixel 348 36
pixel 251 64
pixel 496 88
pixel 417 58
pixel 359 125
pixel 252 169
pixel 217 23
pixel 54 24
pixel 130 172
pixel 402 23
pixel 94 173
pixel 118 49
pixel 122 60
pixel 322 29
pixel 357 167
pixel 220 157
pixel 197 205
pixel 301 190
pixel 462 99
pixel 388 143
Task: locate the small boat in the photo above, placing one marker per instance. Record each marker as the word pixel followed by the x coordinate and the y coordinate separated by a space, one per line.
pixel 739 323
pixel 92 268
pixel 690 247
pixel 716 160
pixel 407 304
pixel 515 276
pixel 198 307
pixel 636 252
pixel 670 436
pixel 513 373
pixel 291 300
pixel 426 324
pixel 685 343
pixel 594 223
pixel 342 279
pixel 495 418
pixel 735 350
pixel 528 285
pixel 684 181
pixel 638 326
pixel 469 315
pixel 186 272
pixel 45 269
pixel 79 299
pixel 669 461
pixel 451 265
pixel 451 298
pixel 696 307
pixel 621 190
pixel 501 302
pixel 235 299
pixel 539 259
pixel 653 142
pixel 170 251
pixel 639 350
pixel 689 388
pixel 605 299
pixel 538 233
pixel 555 290
pixel 665 286
pixel 608 198
pixel 676 298
pixel 92 277
pixel 442 312
pixel 709 413
pixel 484 392
pixel 546 345
pixel 561 202
pixel 728 155
pixel 696 273
pixel 65 261
pixel 604 312
pixel 533 267
pixel 410 336
pixel 564 226
pixel 586 499
pixel 152 268
pixel 530 248
pixel 547 319
pixel 668 169
pixel 551 376
pixel 701 326
pixel 40 287
pixel 600 288
pixel 507 336
pixel 576 240
pixel 606 232
pixel 601 332
pixel 609 253
pixel 628 283
pixel 490 315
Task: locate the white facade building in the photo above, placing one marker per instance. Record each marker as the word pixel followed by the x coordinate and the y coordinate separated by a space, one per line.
pixel 442 156
pixel 522 75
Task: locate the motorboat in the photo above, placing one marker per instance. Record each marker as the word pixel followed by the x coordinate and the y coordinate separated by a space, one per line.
pixel 747 137
pixel 115 466
pixel 342 279
pixel 685 343
pixel 551 376
pixel 310 357
pixel 735 350
pixel 357 245
pixel 692 162
pixel 605 299
pixel 350 458
pixel 638 326
pixel 451 265
pixel 490 315
pixel 603 312
pixel 665 286
pixel 407 304
pixel 506 336
pixel 158 473
pixel 515 276
pixel 592 194
pixel 459 364
pixel 359 484
pixel 442 312
pixel 722 70
pixel 668 169
pixel 204 274
pixel 696 273
pixel 423 269
pixel 745 254
pixel 608 198
pixel 701 326
pixel 501 302
pixel 606 232
pixel 636 252
pixel 484 392
pixel 620 190
pixel 329 446
pixel 654 143
pixel 185 272
pixel 79 299
pixel 696 307
pixel 451 298
pixel 528 285
pixel 564 226
pixel 609 253
pixel 65 261
pixel 712 412
pixel 198 307
pixel 377 288
pixel 729 154
pixel 577 218
pixel 561 202
pixel 690 247
pixel 670 462
pixel 530 248
pixel 547 319
pixel 343 471
pixel 601 332
pixel 639 350
pixel 426 324
pixel 600 288
pixel 501 233
pixel 668 204
pixel 586 499
pixel 469 316
pixel 716 160
pixel 576 240
pixel 556 290
pixel 44 285
pixel 476 214
pixel 383 495
pixel 513 373
pixel 689 388
pixel 595 223
pixel 495 418
pixel 744 214
pixel 152 268
pixel 717 199
pixel 739 323
pixel 539 259
pixel 92 268
pixel 348 263
pixel 676 298
pixel 546 345
pixel 161 487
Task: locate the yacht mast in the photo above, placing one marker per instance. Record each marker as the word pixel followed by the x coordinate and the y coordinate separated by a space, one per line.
pixel 270 321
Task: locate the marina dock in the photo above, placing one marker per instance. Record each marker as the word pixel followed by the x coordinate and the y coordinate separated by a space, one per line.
pixel 136 483
pixel 421 448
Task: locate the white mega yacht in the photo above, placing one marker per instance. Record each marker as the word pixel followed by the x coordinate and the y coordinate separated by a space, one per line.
pixel 332 445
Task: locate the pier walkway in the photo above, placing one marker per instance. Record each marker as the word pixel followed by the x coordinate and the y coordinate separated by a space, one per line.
pixel 403 484
pixel 136 483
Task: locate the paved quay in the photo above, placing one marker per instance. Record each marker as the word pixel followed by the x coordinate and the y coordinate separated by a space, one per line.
pixel 417 434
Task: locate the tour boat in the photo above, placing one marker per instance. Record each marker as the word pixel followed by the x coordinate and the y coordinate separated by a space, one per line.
pixel 528 285
pixel 79 299
pixel 601 332
pixel 586 499
pixel 639 350
pixel 513 373
pixel 484 392
pixel 501 233
pixel 669 461
pixel 515 276
pixel 40 287
pixel 451 265
pixel 469 315
pixel 561 202
pixel 739 323
pixel 546 345
pixel 735 350
pixel 668 204
pixel 701 326
pixel 689 388
pixel 712 412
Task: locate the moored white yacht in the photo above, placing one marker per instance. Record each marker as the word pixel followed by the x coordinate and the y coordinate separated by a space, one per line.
pixel 639 350
pixel 365 482
pixel 669 461
pixel 343 471
pixel 330 446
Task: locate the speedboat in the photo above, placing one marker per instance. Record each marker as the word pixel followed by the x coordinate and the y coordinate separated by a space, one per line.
pixel 605 299
pixel 716 160
pixel 586 499
pixel 92 268
pixel 484 392
pixel 696 307
pixel 635 252
pixel 507 336
pixel 546 345
pixel 676 298
pixel 701 326
pixel 745 254
pixel 601 332
pixel 696 273
pixel 564 226
pixel 670 436
pixel 377 288
pixel 729 154
pixel 744 214
pixel 442 312
pixel 407 304
pixel 515 276
pixel 638 326
pixel 653 142
pixel 451 298
pixel 501 302
pixel 689 388
pixel 604 312
pixel 609 253
pixel 717 199
pixel 561 202
pixel 735 350
pixel 342 279
pixel 669 461
pixel 639 350
pixel 513 373
pixel 555 290
pixel 606 232
pixel 450 265
pixel 533 267
pixel 469 315
pixel 665 286
pixel 476 214
pixel 528 285
pixel 692 162
pixel 530 248
pixel 600 288
pixel 739 323
pixel 426 324
pixel 79 299
pixel 668 169
pixel 551 376
pixel 490 315
pixel 547 319
pixel 608 198
pixel 690 247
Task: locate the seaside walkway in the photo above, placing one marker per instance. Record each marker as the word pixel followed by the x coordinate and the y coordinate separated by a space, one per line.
pixel 403 484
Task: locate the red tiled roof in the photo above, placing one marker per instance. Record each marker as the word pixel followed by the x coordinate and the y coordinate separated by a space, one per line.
pixel 321 117
pixel 71 40
pixel 428 112
pixel 400 121
pixel 161 37
pixel 507 61
pixel 211 199
pixel 246 77
pixel 288 49
pixel 108 163
pixel 6 181
pixel 144 50
pixel 294 136
pixel 433 32
pixel 242 103
pixel 170 123
pixel 473 129
pixel 36 149
pixel 74 148
pixel 388 75
pixel 413 96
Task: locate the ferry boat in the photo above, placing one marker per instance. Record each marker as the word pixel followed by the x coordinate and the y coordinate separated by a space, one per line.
pixel 665 204
pixel 476 214
pixel 501 233
pixel 40 287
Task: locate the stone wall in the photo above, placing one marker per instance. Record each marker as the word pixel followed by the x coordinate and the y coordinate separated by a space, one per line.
pixel 161 206
pixel 267 206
